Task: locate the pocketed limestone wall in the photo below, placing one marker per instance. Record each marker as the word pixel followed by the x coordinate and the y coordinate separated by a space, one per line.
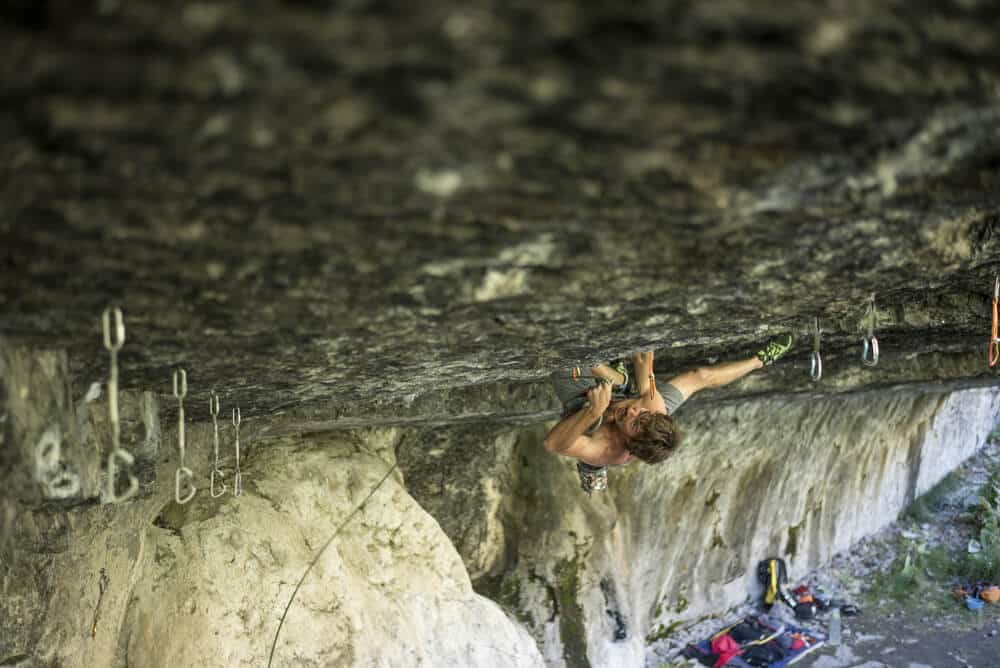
pixel 584 581
pixel 798 479
pixel 599 579
pixel 155 583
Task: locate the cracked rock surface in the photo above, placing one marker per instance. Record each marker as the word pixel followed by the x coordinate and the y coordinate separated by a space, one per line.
pixel 331 209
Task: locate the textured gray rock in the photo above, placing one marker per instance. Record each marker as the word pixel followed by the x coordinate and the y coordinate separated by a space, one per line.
pixel 350 214
pixel 335 210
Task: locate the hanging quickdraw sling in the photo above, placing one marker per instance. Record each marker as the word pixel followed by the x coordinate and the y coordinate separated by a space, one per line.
pixel 993 350
pixel 869 354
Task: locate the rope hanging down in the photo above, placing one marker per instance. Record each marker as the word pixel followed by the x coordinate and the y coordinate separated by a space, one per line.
pixel 993 351
pixel 319 554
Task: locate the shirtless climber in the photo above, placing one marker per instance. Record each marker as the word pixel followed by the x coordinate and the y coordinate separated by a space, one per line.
pixel 615 414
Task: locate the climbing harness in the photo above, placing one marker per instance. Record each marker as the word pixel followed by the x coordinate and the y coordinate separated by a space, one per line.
pixel 183 473
pixel 113 345
pixel 237 477
pixel 993 351
pixel 869 354
pixel 213 408
pixel 592 478
pixel 319 554
pixel 816 362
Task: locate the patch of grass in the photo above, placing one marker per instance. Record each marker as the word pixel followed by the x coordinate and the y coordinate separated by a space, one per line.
pixel 985 564
pixel 918 577
pixel 661 632
pixel 924 508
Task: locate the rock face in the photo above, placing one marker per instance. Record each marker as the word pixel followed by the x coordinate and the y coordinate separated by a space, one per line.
pixel 357 215
pixel 155 583
pixel 331 210
pixel 59 443
pixel 600 580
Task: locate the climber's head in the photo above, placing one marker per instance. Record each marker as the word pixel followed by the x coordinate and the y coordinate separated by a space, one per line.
pixel 652 436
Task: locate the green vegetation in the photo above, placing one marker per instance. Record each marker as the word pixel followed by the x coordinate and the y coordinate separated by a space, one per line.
pixel 916 577
pixel 792 546
pixel 985 564
pixel 921 575
pixel 661 632
pixel 571 614
pixel 925 507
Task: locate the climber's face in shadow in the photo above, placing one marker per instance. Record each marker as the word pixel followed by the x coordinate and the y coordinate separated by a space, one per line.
pixel 626 416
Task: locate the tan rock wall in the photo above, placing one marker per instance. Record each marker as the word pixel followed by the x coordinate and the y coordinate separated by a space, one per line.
pixel 594 578
pixel 207 583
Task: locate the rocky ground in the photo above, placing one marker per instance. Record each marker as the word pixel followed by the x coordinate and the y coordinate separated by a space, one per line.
pixel 909 618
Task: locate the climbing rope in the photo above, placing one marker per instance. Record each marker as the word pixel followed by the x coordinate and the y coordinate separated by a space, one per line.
pixel 993 351
pixel 319 554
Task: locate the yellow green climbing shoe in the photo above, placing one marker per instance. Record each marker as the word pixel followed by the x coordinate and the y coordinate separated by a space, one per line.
pixel 775 349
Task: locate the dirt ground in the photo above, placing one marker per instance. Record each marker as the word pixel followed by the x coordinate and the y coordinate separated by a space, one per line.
pixel 901 578
pixel 911 639
pixel 916 624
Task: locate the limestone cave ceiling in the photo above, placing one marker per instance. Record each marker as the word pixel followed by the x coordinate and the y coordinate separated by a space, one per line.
pixel 359 208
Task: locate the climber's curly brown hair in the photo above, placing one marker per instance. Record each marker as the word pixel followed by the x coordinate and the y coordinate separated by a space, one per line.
pixel 657 439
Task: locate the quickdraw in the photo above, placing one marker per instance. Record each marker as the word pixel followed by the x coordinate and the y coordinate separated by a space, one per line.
pixel 114 338
pixel 993 350
pixel 183 473
pixel 816 362
pixel 237 476
pixel 869 354
pixel 213 408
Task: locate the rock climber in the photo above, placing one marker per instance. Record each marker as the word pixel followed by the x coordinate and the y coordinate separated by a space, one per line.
pixel 615 413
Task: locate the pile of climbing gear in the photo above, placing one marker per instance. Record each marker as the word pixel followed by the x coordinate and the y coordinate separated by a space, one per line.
pixel 773 577
pixel 974 595
pixel 758 642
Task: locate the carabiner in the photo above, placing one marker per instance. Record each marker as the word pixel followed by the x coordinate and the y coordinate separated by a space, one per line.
pixel 871 345
pixel 184 473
